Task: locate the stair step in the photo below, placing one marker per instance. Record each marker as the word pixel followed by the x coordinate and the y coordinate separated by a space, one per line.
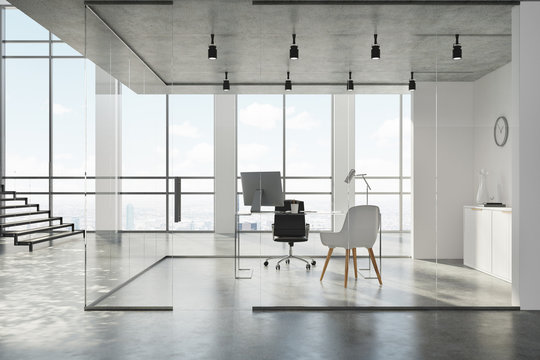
pixel 18 206
pixel 26 222
pixel 58 235
pixel 7 192
pixel 14 199
pixel 36 230
pixel 25 214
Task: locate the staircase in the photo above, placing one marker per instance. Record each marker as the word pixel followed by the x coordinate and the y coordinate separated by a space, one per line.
pixel 27 224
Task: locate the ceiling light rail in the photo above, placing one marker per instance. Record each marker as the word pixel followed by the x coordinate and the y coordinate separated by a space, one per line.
pixel 128 2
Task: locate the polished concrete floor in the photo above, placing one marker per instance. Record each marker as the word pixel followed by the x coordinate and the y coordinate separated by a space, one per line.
pixel 42 317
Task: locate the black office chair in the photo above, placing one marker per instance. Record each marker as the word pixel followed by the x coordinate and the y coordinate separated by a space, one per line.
pixel 290 228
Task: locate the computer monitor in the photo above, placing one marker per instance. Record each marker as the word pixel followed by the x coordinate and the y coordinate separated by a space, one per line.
pixel 262 189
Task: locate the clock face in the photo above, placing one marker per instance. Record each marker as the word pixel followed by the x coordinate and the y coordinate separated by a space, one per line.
pixel 500 131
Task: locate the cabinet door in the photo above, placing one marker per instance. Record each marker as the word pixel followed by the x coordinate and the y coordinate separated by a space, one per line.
pixel 502 244
pixel 469 237
pixel 477 239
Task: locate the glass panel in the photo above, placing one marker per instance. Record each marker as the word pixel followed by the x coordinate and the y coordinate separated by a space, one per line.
pixel 197 213
pixel 195 185
pixel 27 117
pixel 74 185
pixel 143 185
pixel 308 185
pixel 72 209
pixel 21 27
pixel 191 135
pixel 378 185
pixel 63 49
pixel 69 126
pixel 260 133
pixel 377 134
pixel 128 265
pixel 27 185
pixel 308 131
pixel 143 212
pixel 389 205
pixel 27 49
pixel 407 209
pixel 143 134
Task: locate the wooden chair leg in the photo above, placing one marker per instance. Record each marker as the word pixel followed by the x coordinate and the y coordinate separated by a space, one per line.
pixel 346 266
pixel 355 264
pixel 330 251
pixel 372 257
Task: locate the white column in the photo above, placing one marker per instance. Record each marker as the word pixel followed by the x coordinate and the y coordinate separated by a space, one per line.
pixel 343 161
pixel 224 163
pixel 108 152
pixel 529 148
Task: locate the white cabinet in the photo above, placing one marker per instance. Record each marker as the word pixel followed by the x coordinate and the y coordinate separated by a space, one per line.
pixel 487 240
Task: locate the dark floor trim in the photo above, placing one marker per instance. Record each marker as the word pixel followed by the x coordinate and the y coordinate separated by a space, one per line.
pixel 385 2
pixel 93 305
pixel 383 308
pixel 128 308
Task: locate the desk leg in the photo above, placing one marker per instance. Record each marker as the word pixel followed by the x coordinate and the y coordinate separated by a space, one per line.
pixel 238 271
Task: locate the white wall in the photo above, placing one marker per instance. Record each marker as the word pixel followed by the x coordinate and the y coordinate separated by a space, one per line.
pixel 443 131
pixel 493 98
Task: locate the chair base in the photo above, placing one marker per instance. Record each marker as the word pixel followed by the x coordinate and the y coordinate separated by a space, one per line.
pixel 287 258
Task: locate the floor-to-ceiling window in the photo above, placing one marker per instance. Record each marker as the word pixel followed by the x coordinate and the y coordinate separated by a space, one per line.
pixel 290 134
pixel 47 137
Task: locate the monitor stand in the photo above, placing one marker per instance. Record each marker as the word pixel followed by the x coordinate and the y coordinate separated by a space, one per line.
pixel 257 199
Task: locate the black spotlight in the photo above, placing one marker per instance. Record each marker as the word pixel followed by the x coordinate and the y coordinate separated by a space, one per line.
pixel 375 49
pixel 293 52
pixel 412 82
pixel 456 52
pixel 226 84
pixel 288 83
pixel 212 49
pixel 350 83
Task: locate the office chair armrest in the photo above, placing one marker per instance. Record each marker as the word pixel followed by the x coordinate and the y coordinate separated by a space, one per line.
pixel 307 231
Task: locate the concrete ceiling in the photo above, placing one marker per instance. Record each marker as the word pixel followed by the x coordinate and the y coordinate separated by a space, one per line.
pixel 253 43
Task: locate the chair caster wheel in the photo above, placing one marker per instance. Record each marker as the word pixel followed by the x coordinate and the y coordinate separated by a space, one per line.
pixel 287 261
pixel 313 263
pixel 308 266
pixel 277 267
pixel 266 263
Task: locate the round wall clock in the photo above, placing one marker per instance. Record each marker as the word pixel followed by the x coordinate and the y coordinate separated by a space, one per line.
pixel 500 131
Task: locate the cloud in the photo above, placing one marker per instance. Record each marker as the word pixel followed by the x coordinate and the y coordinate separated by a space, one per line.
pixel 186 130
pixel 387 134
pixel 262 116
pixel 194 161
pixel 302 121
pixel 59 109
pixel 251 152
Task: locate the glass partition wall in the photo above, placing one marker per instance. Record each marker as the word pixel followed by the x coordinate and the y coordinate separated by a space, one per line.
pixel 431 157
pixel 126 269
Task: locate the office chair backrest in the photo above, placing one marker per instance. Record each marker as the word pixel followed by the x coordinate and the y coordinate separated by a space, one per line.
pixel 289 225
pixel 361 225
pixel 287 206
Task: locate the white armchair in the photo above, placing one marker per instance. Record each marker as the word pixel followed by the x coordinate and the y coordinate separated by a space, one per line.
pixel 360 229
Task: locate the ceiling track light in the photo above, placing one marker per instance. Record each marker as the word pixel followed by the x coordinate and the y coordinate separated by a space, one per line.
pixel 212 49
pixel 226 84
pixel 412 82
pixel 293 52
pixel 456 51
pixel 350 82
pixel 288 83
pixel 375 49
